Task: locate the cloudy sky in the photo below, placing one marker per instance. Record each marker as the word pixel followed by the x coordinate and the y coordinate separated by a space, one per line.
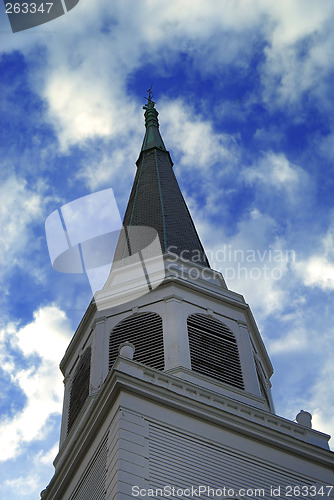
pixel 245 95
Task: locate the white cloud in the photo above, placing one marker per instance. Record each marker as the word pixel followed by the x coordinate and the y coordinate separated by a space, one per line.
pixel 298 55
pixel 84 107
pixel 20 208
pixel 321 406
pixel 297 19
pixel 317 270
pixel 296 340
pixel 194 138
pixel 29 474
pixel 27 484
pixel 116 166
pixel 46 337
pixel 254 261
pixel 302 349
pixel 48 457
pixel 76 110
pixel 275 173
pixel 321 384
pixel 85 75
pixel 326 146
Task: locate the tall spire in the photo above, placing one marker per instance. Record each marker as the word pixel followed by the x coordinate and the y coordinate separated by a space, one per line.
pixel 156 199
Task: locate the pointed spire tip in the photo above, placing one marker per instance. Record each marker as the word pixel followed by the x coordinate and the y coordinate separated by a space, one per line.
pixel 152 136
pixel 150 103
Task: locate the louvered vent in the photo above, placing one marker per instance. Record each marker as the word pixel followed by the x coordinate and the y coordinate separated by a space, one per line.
pixel 80 387
pixel 92 485
pixel 144 330
pixel 214 350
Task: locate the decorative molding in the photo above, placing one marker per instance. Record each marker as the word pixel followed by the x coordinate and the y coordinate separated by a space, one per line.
pixel 173 297
pixel 98 320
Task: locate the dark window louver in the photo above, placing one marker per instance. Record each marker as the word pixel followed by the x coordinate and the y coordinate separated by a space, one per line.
pixel 80 387
pixel 214 350
pixel 144 331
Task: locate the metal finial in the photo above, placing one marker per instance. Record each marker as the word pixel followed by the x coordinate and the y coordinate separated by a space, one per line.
pixel 150 103
pixel 150 93
pixel 149 98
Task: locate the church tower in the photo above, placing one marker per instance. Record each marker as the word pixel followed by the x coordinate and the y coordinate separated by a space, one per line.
pixel 167 379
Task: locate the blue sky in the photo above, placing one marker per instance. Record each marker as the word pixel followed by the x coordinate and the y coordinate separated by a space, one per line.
pixel 245 95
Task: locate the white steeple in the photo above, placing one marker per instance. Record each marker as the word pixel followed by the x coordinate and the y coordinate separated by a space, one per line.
pixel 167 379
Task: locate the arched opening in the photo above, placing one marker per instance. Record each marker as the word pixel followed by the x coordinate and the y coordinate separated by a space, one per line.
pixel 214 350
pixel 144 331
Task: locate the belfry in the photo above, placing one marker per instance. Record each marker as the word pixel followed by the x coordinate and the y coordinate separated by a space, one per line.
pixel 167 379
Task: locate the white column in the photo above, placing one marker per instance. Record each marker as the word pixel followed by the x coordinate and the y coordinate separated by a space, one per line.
pixel 100 355
pixel 66 403
pixel 247 362
pixel 176 343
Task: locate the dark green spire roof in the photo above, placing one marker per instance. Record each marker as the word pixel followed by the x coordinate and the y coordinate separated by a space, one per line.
pixel 156 199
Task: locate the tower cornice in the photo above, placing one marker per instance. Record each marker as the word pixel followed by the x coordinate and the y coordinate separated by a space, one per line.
pixel 128 376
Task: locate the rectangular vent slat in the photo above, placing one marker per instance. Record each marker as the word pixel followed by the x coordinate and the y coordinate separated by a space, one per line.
pixel 148 326
pixel 217 351
pixel 210 325
pixel 210 329
pixel 231 374
pixel 213 336
pixel 212 366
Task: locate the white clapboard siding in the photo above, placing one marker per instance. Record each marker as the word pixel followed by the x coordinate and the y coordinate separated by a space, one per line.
pixel 180 461
pixel 92 484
